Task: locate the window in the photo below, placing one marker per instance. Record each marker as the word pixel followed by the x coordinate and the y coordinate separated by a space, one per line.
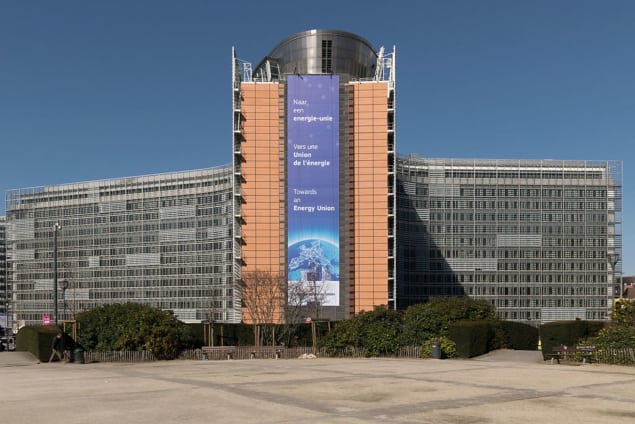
pixel 327 55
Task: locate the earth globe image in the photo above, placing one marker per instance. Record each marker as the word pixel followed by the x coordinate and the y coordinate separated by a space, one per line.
pixel 317 258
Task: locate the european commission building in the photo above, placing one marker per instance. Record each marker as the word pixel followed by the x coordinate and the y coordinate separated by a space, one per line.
pixel 162 240
pixel 540 240
pixel 316 193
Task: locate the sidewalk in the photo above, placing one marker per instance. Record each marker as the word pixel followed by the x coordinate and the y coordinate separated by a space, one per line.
pixel 14 359
pixel 501 387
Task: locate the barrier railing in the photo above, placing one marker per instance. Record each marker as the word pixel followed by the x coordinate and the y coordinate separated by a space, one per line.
pixel 625 356
pixel 249 352
pixel 119 356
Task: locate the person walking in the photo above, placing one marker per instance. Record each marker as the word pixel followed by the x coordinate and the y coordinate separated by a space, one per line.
pixel 57 347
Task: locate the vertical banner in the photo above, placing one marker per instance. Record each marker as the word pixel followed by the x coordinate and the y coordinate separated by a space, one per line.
pixel 313 189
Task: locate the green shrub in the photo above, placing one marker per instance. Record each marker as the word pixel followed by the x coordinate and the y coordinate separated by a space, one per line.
pixel 520 336
pixel 433 318
pixel 134 326
pixel 471 337
pixel 567 333
pixel 614 337
pixel 624 312
pixel 614 344
pixel 378 332
pixel 448 347
pixel 496 338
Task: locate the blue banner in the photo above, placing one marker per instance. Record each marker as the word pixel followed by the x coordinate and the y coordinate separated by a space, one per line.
pixel 313 188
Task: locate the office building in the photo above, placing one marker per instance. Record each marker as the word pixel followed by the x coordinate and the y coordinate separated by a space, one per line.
pixel 162 240
pixel 540 240
pixel 4 287
pixel 314 154
pixel 316 198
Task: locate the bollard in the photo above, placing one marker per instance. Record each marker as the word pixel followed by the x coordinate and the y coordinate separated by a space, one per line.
pixel 78 355
pixel 435 349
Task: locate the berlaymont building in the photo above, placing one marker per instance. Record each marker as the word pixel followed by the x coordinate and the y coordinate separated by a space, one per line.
pixel 316 196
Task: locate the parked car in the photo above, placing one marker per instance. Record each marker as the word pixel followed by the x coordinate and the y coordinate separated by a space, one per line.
pixel 7 343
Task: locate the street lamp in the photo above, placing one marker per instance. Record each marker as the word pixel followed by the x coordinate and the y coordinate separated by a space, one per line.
pixel 56 228
pixel 613 258
pixel 64 286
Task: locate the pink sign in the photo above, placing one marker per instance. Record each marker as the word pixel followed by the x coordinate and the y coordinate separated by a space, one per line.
pixel 46 319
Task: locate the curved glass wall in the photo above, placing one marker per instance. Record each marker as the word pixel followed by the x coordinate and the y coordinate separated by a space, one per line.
pixel 321 52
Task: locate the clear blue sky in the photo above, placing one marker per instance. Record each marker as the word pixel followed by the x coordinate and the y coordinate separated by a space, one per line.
pixel 103 89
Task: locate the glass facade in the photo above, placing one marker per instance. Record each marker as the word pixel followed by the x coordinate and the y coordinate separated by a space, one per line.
pixel 534 238
pixel 4 288
pixel 161 240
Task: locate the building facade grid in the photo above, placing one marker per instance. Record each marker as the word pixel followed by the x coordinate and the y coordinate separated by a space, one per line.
pixel 161 240
pixel 537 239
pixel 5 321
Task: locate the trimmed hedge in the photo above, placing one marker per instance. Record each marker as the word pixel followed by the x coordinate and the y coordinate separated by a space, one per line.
pixel 243 334
pixel 37 340
pixel 226 334
pixel 520 336
pixel 567 333
pixel 471 337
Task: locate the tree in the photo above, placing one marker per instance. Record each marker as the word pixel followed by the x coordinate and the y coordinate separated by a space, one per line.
pixel 624 312
pixel 263 295
pixel 304 299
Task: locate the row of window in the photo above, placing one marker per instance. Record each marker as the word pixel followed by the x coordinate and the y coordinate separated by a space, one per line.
pixel 506 253
pixel 46 197
pixel 130 205
pixel 510 216
pixel 218 282
pixel 415 170
pixel 446 277
pixel 423 189
pixel 505 205
pixel 185 246
pixel 34 271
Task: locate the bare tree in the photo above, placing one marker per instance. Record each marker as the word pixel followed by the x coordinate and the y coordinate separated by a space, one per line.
pixel 264 298
pixel 268 300
pixel 304 302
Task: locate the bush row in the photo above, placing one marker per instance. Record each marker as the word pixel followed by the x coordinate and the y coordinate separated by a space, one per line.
pixel 567 333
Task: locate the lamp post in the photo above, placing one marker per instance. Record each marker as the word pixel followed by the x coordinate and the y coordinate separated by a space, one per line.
pixel 64 286
pixel 613 258
pixel 56 228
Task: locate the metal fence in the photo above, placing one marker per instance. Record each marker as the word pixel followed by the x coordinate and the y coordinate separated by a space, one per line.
pixel 251 352
pixel 625 356
pixel 119 356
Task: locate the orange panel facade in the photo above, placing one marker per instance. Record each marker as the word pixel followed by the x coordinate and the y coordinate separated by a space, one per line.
pixel 369 282
pixel 366 275
pixel 261 188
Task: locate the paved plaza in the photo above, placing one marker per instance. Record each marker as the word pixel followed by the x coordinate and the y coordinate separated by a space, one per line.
pixel 502 387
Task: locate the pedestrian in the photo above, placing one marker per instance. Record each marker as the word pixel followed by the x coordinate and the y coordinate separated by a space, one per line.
pixel 57 347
